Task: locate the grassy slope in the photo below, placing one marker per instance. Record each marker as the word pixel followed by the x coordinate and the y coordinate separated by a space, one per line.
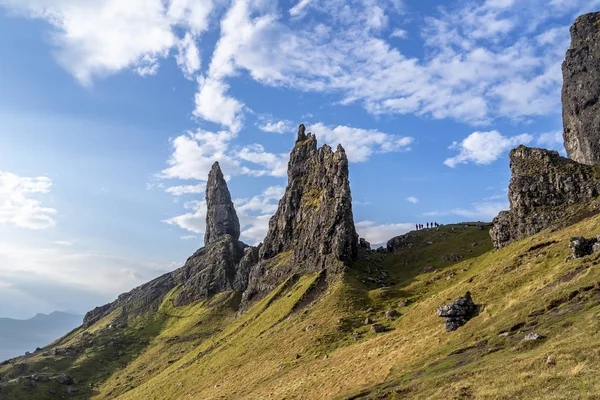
pixel 288 347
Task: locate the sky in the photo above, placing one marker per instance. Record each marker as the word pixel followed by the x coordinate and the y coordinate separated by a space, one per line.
pixel 113 111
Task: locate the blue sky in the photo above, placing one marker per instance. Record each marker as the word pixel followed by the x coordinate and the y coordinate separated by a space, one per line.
pixel 112 111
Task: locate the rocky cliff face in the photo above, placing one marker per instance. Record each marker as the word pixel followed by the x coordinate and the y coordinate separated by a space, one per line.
pixel 542 187
pixel 312 231
pixel 221 218
pixel 581 91
pixel 214 268
pixel 313 228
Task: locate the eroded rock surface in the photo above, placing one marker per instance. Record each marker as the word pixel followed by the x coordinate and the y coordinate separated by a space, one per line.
pixel 582 247
pixel 221 218
pixel 313 228
pixel 458 313
pixel 581 91
pixel 223 264
pixel 542 187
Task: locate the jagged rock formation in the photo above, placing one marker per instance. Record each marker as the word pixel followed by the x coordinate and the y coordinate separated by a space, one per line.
pixel 314 218
pixel 313 228
pixel 212 269
pixel 221 265
pixel 581 91
pixel 582 247
pixel 458 313
pixel 542 186
pixel 221 218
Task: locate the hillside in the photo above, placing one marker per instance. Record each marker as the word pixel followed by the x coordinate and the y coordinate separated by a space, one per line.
pixel 313 312
pixel 20 336
pixel 286 346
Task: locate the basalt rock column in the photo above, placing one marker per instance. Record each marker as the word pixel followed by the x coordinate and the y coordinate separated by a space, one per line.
pixel 221 218
pixel 581 91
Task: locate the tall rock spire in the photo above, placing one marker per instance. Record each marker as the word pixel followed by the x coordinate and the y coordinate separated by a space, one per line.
pixel 314 218
pixel 221 218
pixel 581 91
pixel 313 229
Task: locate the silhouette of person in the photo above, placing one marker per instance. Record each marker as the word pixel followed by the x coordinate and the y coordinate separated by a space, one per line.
pixel 417 225
pixel 428 225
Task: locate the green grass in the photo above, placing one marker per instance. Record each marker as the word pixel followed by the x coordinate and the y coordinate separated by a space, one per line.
pixel 299 343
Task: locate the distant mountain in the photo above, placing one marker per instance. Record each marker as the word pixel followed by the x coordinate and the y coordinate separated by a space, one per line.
pixel 18 336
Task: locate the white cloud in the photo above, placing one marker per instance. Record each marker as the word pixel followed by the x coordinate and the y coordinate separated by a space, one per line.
pixel 64 242
pixel 275 164
pixel 412 199
pixel 361 144
pixel 254 214
pixel 399 33
pixel 552 140
pixel 48 279
pixel 193 221
pixel 195 152
pixel 484 210
pixel 269 125
pixel 380 234
pixel 186 189
pixel 102 37
pixel 188 57
pixel 299 9
pixel 189 237
pixel 18 208
pixel 215 105
pixel 484 147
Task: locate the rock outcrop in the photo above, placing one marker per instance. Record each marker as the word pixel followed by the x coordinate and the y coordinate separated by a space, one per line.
pixel 223 264
pixel 542 187
pixel 313 228
pixel 582 247
pixel 581 91
pixel 458 313
pixel 221 218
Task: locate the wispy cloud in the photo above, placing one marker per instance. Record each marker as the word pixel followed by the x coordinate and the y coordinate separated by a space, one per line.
pixel 18 205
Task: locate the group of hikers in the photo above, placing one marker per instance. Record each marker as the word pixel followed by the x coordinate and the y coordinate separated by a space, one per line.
pixel 427 225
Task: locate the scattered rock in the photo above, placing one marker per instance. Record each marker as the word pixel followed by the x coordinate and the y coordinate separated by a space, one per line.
pixel 389 314
pixel 458 313
pixel 427 269
pixel 532 336
pixel 64 379
pixel 550 361
pixel 72 391
pixel 310 327
pixel 582 247
pixel 368 321
pixel 378 328
pixel 52 391
pixel 402 304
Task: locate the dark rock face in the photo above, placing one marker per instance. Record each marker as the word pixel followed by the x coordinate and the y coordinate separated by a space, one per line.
pixel 582 247
pixel 211 270
pixel 221 218
pixel 141 299
pixel 313 228
pixel 458 313
pixel 542 186
pixel 223 264
pixel 581 91
pixel 314 218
